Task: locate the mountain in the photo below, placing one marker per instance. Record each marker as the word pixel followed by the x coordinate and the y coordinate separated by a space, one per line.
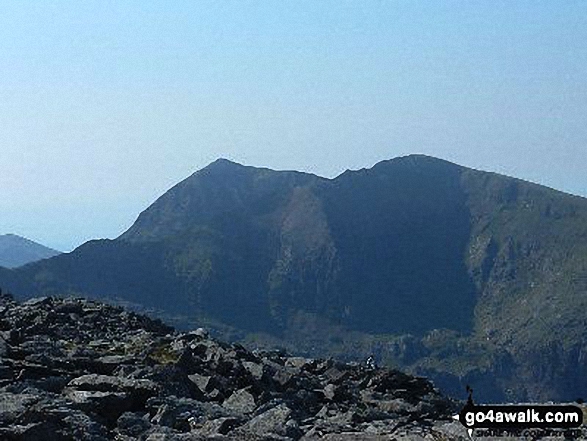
pixel 17 251
pixel 75 369
pixel 465 276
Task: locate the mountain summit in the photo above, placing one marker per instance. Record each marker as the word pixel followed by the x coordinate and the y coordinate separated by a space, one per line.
pixel 466 276
pixel 221 187
pixel 16 251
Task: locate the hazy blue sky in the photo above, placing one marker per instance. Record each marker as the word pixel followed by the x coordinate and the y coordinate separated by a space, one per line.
pixel 106 104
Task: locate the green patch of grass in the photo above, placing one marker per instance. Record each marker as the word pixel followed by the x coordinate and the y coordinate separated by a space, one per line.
pixel 164 355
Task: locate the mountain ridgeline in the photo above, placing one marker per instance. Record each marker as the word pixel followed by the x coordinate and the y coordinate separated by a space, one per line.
pixel 16 251
pixel 462 275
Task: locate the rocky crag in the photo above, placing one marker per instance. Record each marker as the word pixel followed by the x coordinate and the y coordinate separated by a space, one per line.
pixel 73 369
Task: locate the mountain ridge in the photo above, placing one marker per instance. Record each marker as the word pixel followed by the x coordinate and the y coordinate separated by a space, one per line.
pixel 459 274
pixel 16 251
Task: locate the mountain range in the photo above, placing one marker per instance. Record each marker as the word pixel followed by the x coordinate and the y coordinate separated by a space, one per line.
pixel 16 251
pixel 465 276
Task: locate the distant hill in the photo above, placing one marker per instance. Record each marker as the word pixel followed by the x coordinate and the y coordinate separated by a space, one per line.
pixel 465 276
pixel 16 251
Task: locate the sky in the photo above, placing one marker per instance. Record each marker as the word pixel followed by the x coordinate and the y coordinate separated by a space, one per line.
pixel 104 105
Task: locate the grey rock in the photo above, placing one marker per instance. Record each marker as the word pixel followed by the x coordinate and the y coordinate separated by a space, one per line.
pixel 107 404
pixel 36 301
pixel 132 424
pixel 255 369
pixel 12 406
pixel 218 426
pixel 298 362
pixel 277 420
pixel 182 413
pixel 203 382
pixel 78 369
pixel 29 432
pixel 201 332
pixel 139 390
pixel 240 402
pixel 285 377
pixel 83 428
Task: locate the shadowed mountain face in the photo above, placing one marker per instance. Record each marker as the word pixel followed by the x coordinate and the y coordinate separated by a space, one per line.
pixel 400 232
pixel 462 275
pixel 16 251
pixel 370 249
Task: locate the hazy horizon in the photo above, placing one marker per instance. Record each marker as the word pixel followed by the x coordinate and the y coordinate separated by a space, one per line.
pixel 105 105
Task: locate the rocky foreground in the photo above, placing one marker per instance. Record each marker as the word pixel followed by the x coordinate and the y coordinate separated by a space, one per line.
pixel 82 370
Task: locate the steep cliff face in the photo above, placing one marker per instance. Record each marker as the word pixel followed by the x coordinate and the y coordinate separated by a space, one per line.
pixel 400 231
pixel 527 256
pixel 453 272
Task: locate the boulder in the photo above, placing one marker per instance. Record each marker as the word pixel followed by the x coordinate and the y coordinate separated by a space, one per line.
pixel 240 402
